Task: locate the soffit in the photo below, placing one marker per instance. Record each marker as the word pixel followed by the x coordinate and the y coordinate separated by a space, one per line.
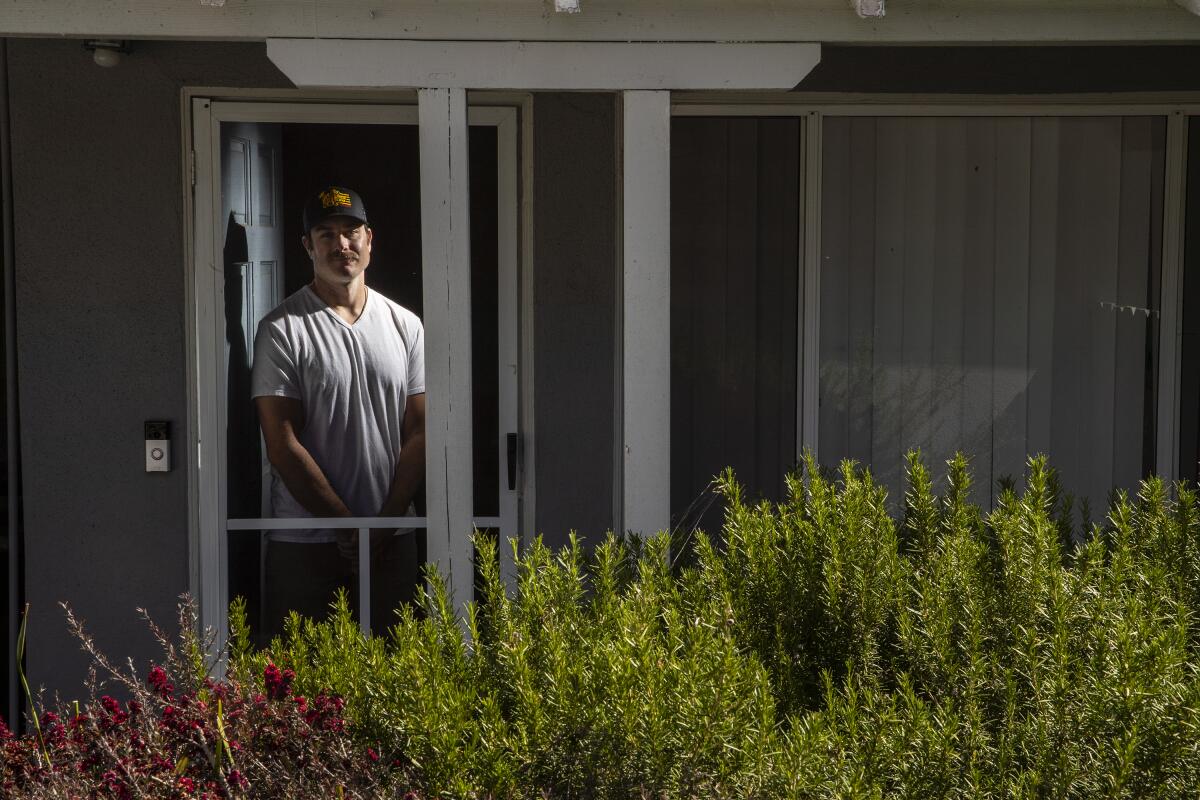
pixel 915 21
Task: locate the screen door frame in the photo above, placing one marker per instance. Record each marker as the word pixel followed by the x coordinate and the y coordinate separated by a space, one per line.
pixel 209 523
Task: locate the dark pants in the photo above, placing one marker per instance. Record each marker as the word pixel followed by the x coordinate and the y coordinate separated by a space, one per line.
pixel 304 578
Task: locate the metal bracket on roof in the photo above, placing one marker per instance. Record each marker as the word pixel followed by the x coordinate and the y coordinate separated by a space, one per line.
pixel 873 9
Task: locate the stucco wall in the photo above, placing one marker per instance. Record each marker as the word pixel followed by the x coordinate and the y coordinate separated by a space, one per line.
pixel 101 333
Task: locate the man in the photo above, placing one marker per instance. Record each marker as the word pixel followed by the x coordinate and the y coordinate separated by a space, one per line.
pixel 339 385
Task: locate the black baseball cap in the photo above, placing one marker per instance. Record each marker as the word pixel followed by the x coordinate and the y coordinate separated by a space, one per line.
pixel 334 201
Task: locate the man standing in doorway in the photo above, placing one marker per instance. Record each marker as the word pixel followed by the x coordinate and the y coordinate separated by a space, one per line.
pixel 339 384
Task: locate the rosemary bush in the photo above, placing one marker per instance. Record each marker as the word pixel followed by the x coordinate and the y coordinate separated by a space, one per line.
pixel 815 648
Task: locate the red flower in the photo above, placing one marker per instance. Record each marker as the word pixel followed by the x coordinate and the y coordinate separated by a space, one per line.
pixel 278 684
pixel 158 680
pixel 371 754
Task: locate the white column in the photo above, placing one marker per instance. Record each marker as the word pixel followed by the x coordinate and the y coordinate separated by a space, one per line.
pixel 446 265
pixel 646 312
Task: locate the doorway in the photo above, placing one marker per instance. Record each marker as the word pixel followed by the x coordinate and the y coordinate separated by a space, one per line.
pixel 256 164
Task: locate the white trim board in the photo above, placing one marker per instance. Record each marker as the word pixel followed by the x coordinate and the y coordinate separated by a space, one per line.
pixel 392 63
pixel 528 418
pixel 883 106
pixel 608 20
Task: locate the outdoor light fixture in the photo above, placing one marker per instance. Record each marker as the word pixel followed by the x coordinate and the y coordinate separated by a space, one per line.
pixel 871 9
pixel 106 52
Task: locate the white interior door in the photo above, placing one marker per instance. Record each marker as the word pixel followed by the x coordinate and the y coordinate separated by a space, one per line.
pixel 251 193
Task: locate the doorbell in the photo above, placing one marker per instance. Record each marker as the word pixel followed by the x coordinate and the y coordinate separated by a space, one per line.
pixel 158 446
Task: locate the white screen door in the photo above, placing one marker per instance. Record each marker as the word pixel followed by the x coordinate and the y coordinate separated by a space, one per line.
pixel 255 165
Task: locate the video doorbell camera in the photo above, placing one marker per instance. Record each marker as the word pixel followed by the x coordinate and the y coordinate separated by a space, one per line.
pixel 158 447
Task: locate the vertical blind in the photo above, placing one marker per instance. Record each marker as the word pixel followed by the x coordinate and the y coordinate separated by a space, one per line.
pixel 991 285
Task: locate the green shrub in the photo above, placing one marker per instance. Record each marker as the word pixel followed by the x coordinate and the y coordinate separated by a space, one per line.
pixel 625 682
pixel 815 648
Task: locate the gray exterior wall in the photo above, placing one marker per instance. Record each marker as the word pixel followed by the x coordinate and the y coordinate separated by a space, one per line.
pixel 102 342
pixel 101 333
pixel 101 307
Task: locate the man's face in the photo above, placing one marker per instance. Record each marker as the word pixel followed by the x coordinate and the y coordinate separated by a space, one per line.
pixel 340 249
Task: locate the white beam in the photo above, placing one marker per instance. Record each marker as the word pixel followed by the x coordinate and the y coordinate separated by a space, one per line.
pixel 606 20
pixel 392 63
pixel 446 277
pixel 646 311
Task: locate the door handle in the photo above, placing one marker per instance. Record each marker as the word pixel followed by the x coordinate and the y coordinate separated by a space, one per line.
pixel 512 461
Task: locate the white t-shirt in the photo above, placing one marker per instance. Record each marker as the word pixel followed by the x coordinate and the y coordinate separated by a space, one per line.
pixel 353 382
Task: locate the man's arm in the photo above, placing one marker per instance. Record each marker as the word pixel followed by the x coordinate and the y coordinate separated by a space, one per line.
pixel 281 418
pixel 410 466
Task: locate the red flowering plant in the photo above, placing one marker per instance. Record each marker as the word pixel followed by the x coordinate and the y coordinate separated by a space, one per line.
pixel 184 734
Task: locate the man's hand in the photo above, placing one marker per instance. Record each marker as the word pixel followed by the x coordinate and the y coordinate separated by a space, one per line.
pixel 347 542
pixel 410 470
pixel 410 465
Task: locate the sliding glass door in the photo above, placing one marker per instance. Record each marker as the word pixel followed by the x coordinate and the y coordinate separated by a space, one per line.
pixel 865 283
pixel 991 285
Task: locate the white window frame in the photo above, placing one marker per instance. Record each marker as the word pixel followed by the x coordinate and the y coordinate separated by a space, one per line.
pixel 209 526
pixel 1176 112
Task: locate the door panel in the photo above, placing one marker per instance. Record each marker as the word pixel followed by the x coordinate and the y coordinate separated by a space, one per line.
pixel 253 253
